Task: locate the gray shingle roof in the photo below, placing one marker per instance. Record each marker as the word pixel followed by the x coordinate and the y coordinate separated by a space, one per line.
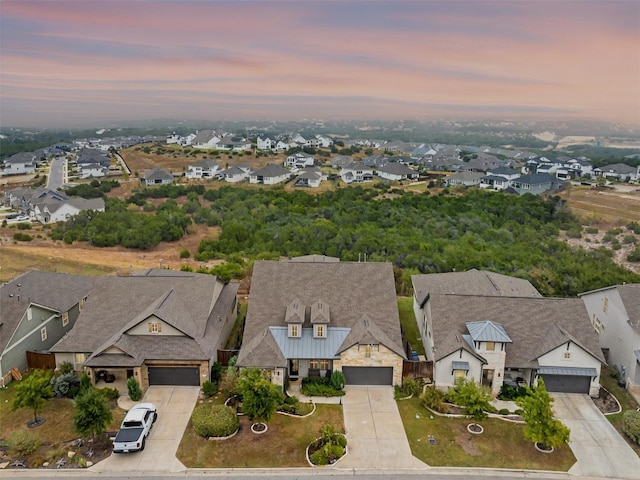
pixel 535 325
pixel 271 171
pixel 56 291
pixel 351 290
pixel 471 282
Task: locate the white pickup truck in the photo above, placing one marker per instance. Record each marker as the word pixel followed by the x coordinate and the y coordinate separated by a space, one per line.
pixel 135 427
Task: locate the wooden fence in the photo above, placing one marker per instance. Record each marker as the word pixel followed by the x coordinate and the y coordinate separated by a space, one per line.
pixel 45 361
pixel 417 369
pixel 225 355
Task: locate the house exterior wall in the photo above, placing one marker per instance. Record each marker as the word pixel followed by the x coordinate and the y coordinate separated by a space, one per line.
pixel 611 321
pixel 235 178
pixel 423 320
pixel 63 213
pixel 380 357
pixel 166 330
pixel 443 375
pixel 389 176
pixel 495 361
pixel 578 358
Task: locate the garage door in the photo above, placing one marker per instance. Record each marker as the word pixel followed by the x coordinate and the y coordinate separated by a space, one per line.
pixel 174 376
pixel 368 375
pixel 567 383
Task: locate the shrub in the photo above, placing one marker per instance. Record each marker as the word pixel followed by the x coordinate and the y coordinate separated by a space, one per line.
pixel 22 237
pixel 509 392
pixel 110 393
pixel 65 367
pixel 591 230
pixel 24 226
pixel 631 425
pixel 504 411
pixel 209 388
pixel 216 372
pixel 628 239
pixel 518 411
pixel 433 399
pixel 319 387
pixel 184 253
pixel 133 389
pixel 23 442
pixel 214 420
pixel 411 386
pixel 634 227
pixel 229 382
pixel 473 397
pixel 337 380
pixel 65 385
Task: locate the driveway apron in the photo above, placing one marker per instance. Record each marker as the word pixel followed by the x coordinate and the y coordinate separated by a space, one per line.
pixel 375 433
pixel 597 445
pixel 174 405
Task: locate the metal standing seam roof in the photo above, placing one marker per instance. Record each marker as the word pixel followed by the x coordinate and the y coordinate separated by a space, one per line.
pixel 460 366
pixel 488 331
pixel 307 347
pixel 581 372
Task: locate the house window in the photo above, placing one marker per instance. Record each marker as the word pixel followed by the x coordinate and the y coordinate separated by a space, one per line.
pixel 457 374
pixel 320 331
pixel 154 327
pixel 324 364
pixel 294 330
pixel 567 355
pixel 65 319
pixel 367 351
pixel 314 364
pixel 78 359
pixel 43 333
pixel 491 346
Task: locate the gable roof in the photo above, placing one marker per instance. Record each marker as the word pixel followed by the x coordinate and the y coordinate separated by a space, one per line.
pixel 271 171
pixel 630 296
pixel 397 169
pixel 351 291
pixel 55 291
pixel 158 173
pixel 471 282
pixel 535 325
pixel 189 302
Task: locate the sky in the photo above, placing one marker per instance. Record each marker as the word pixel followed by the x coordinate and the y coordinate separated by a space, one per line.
pixel 85 63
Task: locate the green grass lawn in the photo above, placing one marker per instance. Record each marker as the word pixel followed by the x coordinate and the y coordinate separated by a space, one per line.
pixel 627 402
pixel 409 325
pixel 283 445
pixel 502 445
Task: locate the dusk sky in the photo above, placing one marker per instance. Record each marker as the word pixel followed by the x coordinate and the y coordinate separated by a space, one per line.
pixel 87 63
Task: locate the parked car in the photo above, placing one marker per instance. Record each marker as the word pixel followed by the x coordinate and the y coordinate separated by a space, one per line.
pixel 135 428
pixel 22 218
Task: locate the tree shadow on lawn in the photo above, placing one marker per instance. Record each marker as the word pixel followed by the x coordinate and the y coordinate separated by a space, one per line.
pixel 282 445
pixel 502 445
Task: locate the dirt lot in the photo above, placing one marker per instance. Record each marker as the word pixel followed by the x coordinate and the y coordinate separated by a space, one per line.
pixel 614 207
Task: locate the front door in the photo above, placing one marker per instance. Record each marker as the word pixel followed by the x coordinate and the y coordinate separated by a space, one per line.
pixel 487 377
pixel 294 367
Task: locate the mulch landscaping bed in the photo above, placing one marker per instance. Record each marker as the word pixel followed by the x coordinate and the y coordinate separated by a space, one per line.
pixel 606 402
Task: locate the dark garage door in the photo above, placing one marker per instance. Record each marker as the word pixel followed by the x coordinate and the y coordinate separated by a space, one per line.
pixel 174 376
pixel 567 383
pixel 368 375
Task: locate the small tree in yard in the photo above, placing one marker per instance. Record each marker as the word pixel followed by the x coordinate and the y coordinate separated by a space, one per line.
pixel 33 392
pixel 541 426
pixel 92 414
pixel 260 397
pixel 474 398
pixel 133 388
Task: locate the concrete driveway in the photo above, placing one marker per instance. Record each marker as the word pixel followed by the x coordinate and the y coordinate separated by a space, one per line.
pixel 375 434
pixel 174 405
pixel 597 445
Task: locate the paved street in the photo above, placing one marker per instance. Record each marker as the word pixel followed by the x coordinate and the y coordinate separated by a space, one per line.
pixel 599 448
pixel 55 179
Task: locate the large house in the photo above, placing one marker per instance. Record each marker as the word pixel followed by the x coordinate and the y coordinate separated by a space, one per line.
pixel 46 206
pixel 162 327
pixel 615 316
pixel 396 172
pixel 308 318
pixel 234 174
pixel 535 183
pixel 356 172
pixel 300 160
pixel 37 309
pixel 20 163
pixel 206 168
pixel 270 175
pixel 158 176
pixel 617 171
pixel 498 330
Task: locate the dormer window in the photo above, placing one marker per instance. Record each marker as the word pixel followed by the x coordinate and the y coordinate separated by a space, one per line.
pixel 294 330
pixel 319 331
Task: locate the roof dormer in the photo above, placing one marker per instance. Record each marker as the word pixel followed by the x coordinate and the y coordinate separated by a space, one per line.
pixel 294 318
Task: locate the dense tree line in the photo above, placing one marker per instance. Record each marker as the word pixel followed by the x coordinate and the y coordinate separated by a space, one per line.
pixel 418 233
pixel 94 189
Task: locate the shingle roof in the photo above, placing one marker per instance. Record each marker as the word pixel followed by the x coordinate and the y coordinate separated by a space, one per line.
pixel 56 291
pixel 351 290
pixel 471 282
pixel 396 169
pixel 271 171
pixel 535 325
pixel 158 173
pixel 189 302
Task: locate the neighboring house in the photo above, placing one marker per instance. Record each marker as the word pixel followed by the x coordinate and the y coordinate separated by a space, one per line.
pixel 93 170
pixel 423 151
pixel 494 182
pixel 500 330
pixel 300 160
pixel 20 163
pixel 206 139
pixel 396 172
pixel 340 161
pixel 309 319
pixel 536 183
pixel 615 317
pixel 37 309
pixel 323 141
pixel 92 156
pixel 158 176
pixel 617 171
pixel 356 172
pixel 45 205
pixel 162 327
pixel 581 167
pixel 463 179
pixel 270 175
pixel 505 172
pixel 233 174
pixel 206 168
pixel 309 177
pixel 266 143
pixel 234 143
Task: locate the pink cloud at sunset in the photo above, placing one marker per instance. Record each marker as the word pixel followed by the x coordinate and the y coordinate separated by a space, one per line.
pixel 70 62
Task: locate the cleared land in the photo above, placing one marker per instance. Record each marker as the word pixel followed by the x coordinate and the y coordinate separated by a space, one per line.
pixel 605 207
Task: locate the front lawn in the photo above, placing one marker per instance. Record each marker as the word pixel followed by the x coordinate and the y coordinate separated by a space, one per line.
pixel 502 445
pixel 627 402
pixel 283 445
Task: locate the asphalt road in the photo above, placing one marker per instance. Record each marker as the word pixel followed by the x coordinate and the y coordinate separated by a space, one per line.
pixel 55 179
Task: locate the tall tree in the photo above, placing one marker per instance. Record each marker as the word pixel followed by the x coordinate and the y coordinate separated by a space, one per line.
pixel 260 397
pixel 33 392
pixel 92 414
